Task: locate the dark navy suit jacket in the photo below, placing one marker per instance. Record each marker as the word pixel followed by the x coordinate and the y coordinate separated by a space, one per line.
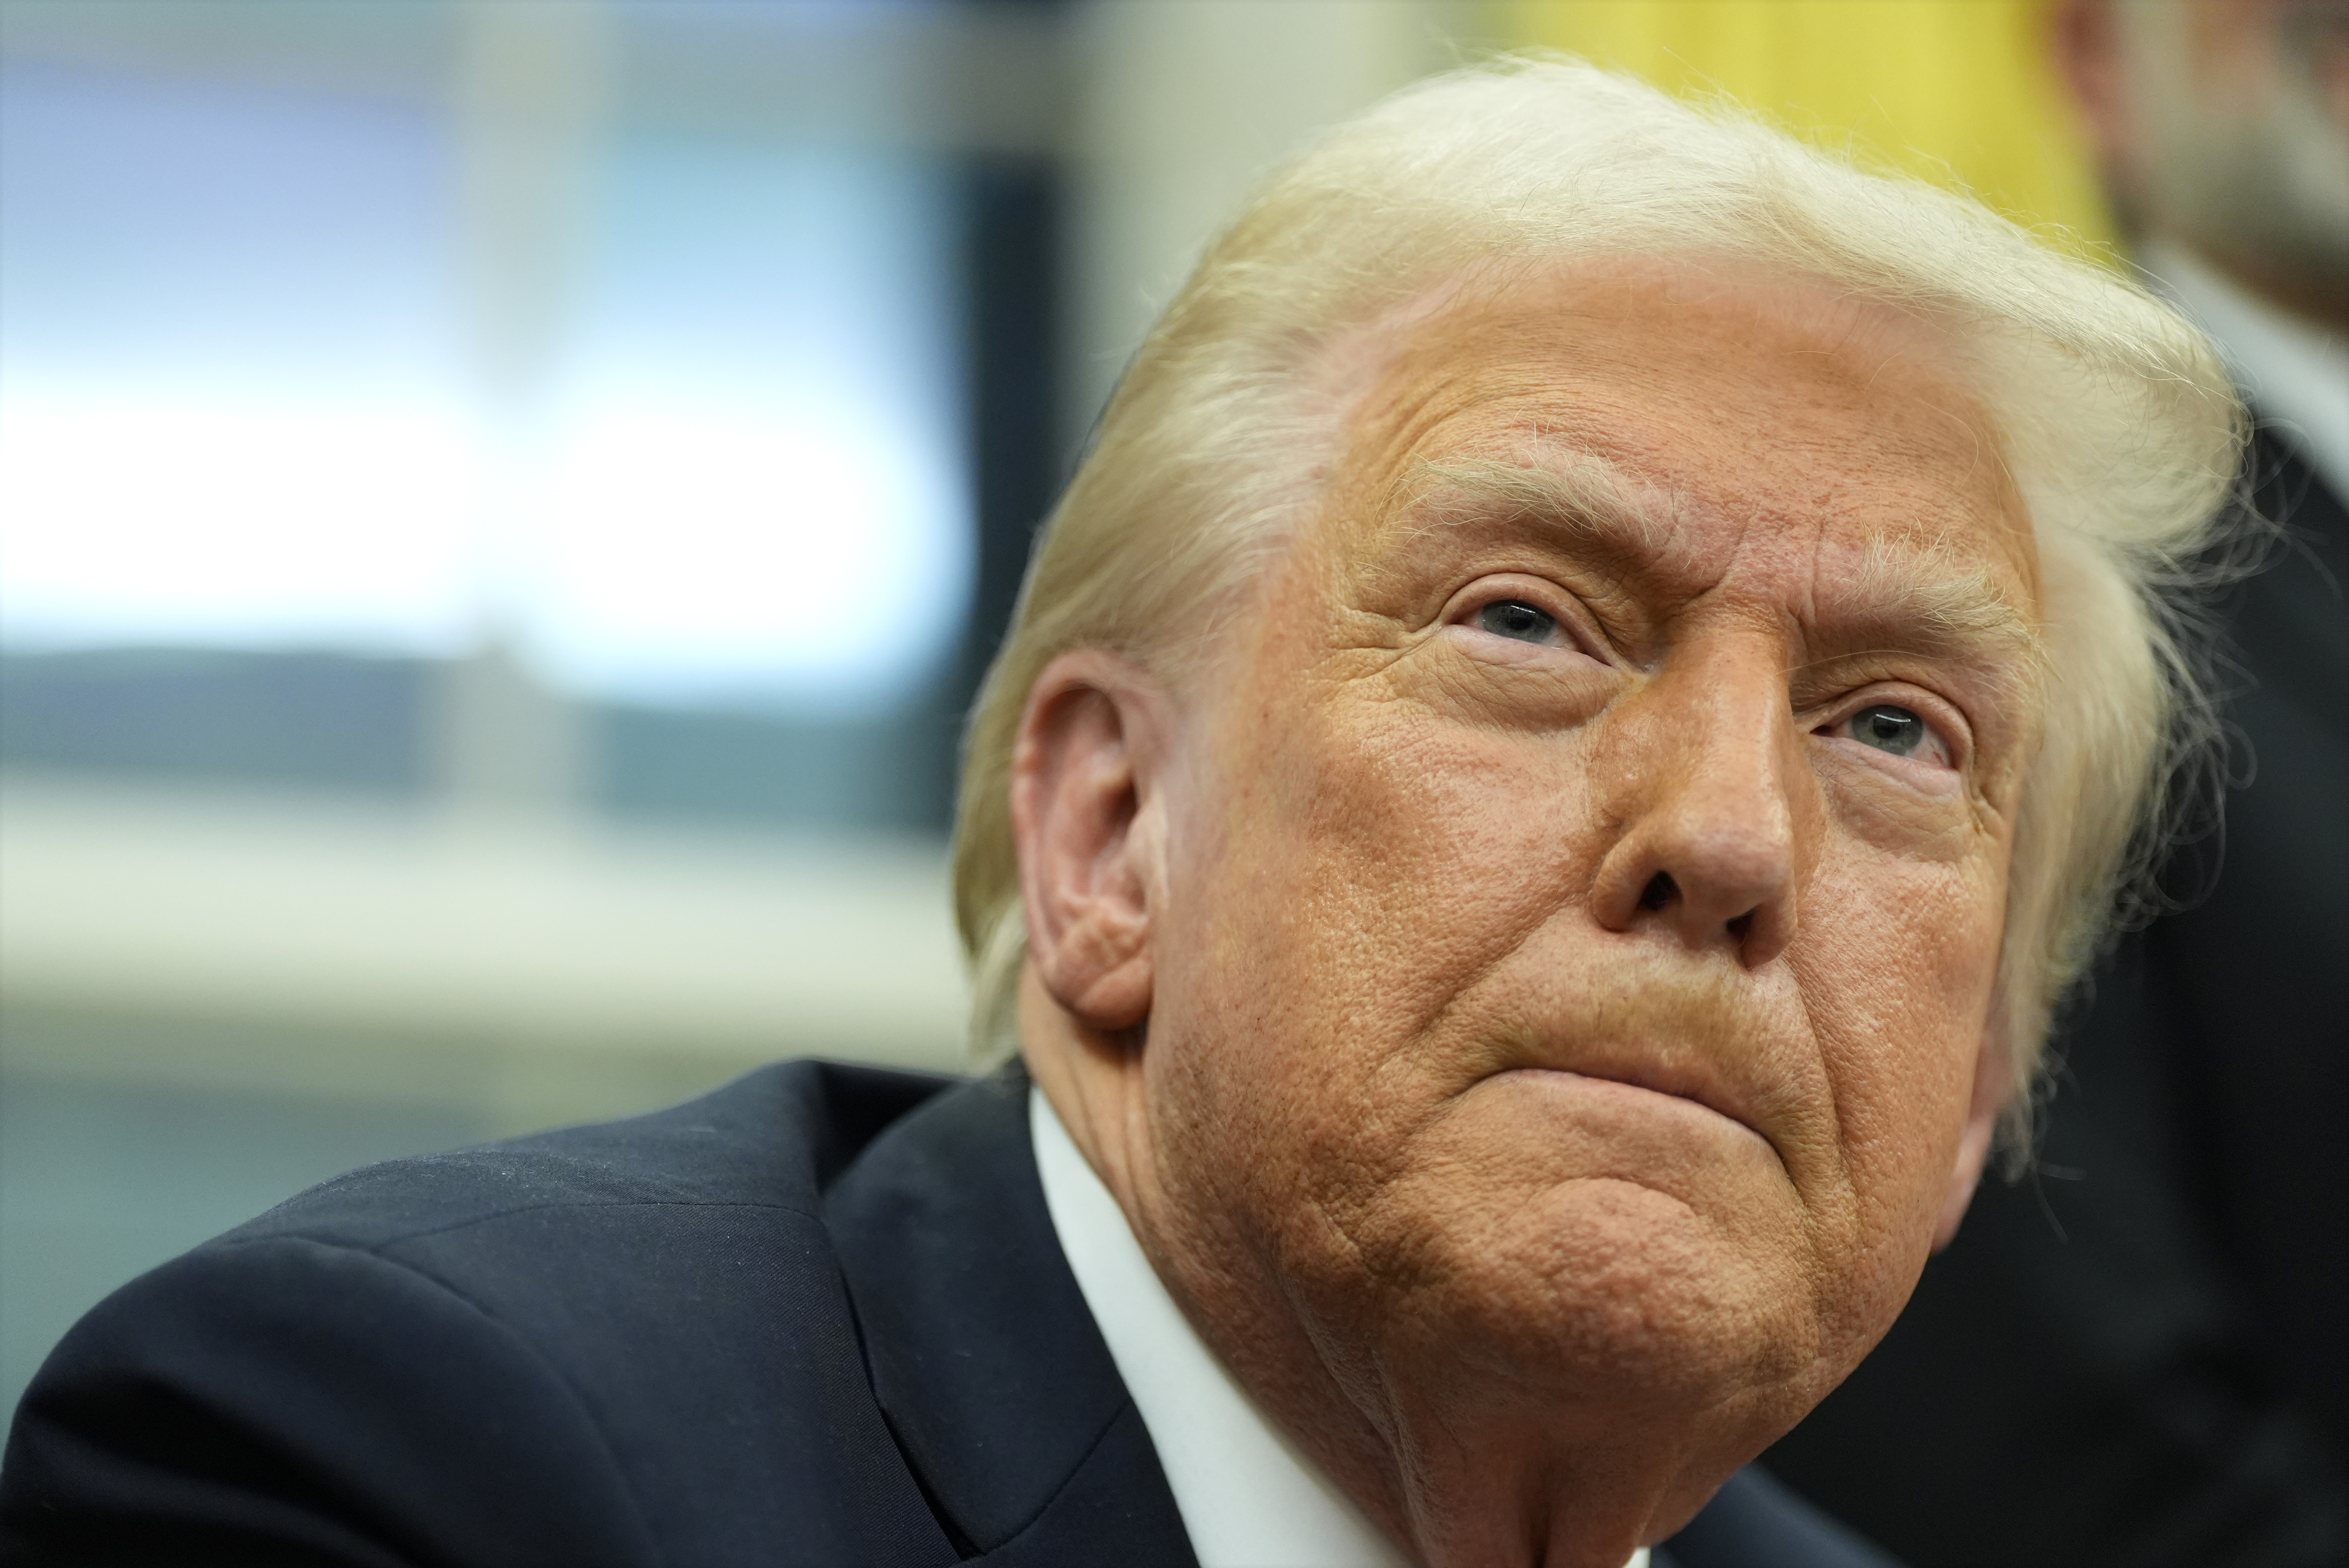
pixel 817 1317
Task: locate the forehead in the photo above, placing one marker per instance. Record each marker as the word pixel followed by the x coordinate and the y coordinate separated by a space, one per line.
pixel 1746 417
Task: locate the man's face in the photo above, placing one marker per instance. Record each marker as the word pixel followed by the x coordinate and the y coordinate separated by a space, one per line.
pixel 1584 898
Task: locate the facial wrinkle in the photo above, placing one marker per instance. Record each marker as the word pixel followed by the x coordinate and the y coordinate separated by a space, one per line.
pixel 1578 498
pixel 1938 603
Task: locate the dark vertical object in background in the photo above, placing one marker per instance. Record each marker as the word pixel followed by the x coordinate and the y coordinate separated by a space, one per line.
pixel 1015 251
pixel 1011 355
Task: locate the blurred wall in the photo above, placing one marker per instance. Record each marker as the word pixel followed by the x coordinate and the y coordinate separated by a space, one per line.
pixel 1962 92
pixel 1180 107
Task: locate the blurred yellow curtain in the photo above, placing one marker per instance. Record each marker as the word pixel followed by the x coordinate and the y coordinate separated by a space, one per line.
pixel 1961 91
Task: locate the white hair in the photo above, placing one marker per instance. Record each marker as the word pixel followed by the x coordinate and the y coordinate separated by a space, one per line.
pixel 2120 430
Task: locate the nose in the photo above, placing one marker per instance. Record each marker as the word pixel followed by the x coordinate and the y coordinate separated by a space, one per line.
pixel 1713 804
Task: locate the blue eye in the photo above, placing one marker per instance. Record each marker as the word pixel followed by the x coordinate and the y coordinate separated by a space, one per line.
pixel 1516 618
pixel 1888 729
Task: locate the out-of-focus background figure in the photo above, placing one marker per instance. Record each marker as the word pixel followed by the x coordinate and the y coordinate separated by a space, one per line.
pixel 2137 1357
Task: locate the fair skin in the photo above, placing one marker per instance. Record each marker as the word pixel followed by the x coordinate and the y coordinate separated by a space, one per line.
pixel 1529 993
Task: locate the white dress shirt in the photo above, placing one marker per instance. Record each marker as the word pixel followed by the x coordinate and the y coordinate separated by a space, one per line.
pixel 1249 1499
pixel 2296 371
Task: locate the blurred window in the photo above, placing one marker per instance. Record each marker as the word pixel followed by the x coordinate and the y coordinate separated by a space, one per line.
pixel 348 344
pixel 758 485
pixel 230 409
pixel 248 400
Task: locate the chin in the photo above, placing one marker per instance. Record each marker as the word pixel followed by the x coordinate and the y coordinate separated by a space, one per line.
pixel 1644 1257
pixel 1618 1286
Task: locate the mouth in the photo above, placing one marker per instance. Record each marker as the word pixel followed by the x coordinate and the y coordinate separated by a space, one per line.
pixel 1703 1103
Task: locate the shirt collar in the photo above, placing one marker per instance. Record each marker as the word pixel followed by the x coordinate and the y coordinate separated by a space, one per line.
pixel 2295 371
pixel 1247 1497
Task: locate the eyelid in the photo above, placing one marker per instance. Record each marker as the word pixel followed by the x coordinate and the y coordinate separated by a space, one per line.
pixel 1575 632
pixel 1942 717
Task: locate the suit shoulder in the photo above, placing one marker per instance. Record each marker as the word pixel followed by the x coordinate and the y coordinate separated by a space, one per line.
pixel 240 1403
pixel 568 1347
pixel 772 1139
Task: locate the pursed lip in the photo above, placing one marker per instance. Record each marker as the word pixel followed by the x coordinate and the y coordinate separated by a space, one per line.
pixel 1699 1089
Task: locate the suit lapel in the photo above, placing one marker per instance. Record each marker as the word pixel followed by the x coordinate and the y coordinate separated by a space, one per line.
pixel 983 1354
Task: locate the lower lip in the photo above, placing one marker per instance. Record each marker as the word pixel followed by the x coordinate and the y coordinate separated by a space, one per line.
pixel 1631 1097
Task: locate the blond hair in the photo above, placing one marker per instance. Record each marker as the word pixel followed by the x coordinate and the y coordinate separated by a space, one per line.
pixel 2121 434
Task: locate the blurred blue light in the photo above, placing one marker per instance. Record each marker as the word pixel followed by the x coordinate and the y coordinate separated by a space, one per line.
pixel 219 237
pixel 757 473
pixel 235 408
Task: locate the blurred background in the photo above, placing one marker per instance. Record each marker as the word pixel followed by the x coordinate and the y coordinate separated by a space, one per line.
pixel 504 503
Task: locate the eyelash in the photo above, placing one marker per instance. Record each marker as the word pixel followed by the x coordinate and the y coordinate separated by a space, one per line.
pixel 1573 637
pixel 1939 727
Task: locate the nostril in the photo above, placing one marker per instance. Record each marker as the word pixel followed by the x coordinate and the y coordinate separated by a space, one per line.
pixel 1661 890
pixel 1741 926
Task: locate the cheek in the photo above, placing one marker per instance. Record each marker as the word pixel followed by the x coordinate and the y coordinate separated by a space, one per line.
pixel 1372 860
pixel 1897 963
pixel 1367 866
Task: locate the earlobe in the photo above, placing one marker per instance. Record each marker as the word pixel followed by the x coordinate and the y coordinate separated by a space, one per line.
pixel 1994 1073
pixel 1087 815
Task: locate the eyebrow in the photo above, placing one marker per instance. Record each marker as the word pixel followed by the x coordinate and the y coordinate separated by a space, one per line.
pixel 1574 495
pixel 1936 600
pixel 1937 594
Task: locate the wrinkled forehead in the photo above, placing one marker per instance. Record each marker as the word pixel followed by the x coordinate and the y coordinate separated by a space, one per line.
pixel 1688 397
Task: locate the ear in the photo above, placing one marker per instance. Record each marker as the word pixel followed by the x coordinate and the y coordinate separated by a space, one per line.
pixel 1993 1075
pixel 1088 813
pixel 2086 39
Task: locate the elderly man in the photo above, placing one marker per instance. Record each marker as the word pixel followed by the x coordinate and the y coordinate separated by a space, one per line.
pixel 1597 681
